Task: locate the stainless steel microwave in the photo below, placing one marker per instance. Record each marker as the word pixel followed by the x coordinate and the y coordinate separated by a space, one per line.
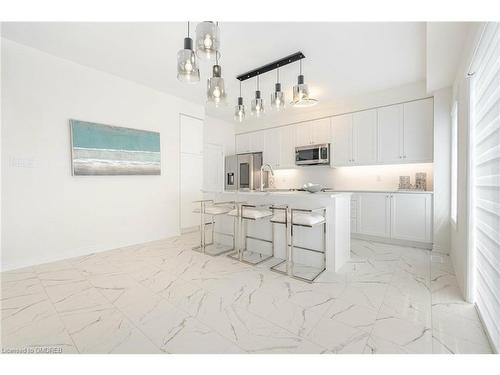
pixel 313 154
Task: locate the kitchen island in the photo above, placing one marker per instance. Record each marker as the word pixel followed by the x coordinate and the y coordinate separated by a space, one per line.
pixel 337 229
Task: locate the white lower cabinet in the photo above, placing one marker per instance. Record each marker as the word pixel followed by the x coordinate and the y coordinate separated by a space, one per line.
pixel 373 214
pixel 398 216
pixel 411 217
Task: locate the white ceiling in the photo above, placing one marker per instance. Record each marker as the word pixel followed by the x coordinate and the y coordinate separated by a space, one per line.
pixel 445 47
pixel 342 59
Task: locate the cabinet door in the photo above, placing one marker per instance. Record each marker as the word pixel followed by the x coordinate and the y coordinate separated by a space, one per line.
pixel 257 141
pixel 418 131
pixel 390 134
pixel 342 140
pixel 287 140
pixel 321 131
pixel 354 213
pixel 364 131
pixel 271 154
pixel 373 214
pixel 242 143
pixel 411 217
pixel 303 133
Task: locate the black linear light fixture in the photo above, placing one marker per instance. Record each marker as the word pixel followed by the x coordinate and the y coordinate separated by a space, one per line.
pixel 271 66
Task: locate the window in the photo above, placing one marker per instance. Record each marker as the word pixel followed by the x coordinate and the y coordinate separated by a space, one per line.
pixel 454 164
pixel 485 179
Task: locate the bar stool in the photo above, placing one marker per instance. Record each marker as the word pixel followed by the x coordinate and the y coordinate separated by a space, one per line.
pixel 307 218
pixel 246 213
pixel 213 209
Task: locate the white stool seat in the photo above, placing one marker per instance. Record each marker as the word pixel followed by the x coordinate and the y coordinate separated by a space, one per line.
pixel 217 210
pixel 300 218
pixel 254 213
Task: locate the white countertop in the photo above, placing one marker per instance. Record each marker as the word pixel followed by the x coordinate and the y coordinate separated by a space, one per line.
pixel 390 191
pixel 324 193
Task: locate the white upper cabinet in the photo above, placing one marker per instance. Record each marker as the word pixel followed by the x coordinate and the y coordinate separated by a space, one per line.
pixel 390 134
pixel 250 142
pixel 257 141
pixel 287 142
pixel 364 137
pixel 400 133
pixel 418 130
pixel 242 143
pixel 303 134
pixel 271 153
pixel 405 132
pixel 321 131
pixel 313 132
pixel 342 140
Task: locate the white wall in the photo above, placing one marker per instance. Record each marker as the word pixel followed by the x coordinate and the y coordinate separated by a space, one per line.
pixel 220 132
pixel 48 214
pixel 459 235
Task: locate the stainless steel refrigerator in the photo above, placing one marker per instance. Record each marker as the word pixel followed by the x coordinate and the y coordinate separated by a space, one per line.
pixel 243 172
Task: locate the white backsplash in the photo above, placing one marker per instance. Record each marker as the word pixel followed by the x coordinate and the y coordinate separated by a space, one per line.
pixel 376 177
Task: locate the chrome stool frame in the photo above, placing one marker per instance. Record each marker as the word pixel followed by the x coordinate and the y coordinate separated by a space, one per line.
pixel 323 222
pixel 243 237
pixel 287 245
pixel 203 247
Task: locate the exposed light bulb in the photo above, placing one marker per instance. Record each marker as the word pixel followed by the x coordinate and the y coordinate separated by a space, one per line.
pixel 188 66
pixel 217 92
pixel 207 41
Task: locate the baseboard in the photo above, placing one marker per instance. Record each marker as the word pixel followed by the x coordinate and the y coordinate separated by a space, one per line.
pixel 391 241
pixel 490 341
pixel 196 228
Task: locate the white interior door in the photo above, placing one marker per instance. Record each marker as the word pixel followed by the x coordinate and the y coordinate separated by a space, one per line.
pixel 191 169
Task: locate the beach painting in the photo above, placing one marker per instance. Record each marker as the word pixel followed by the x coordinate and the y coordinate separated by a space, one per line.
pixel 103 150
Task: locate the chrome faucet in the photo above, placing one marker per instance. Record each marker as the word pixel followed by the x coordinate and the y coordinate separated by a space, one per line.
pixel 262 174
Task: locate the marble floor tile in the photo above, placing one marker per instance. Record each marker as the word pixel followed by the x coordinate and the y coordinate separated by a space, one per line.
pixel 353 315
pixel 162 297
pixel 106 331
pixel 370 294
pixel 338 337
pixel 75 297
pixel 413 337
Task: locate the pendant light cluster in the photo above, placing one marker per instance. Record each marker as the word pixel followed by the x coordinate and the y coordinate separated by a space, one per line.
pixel 207 44
pixel 301 96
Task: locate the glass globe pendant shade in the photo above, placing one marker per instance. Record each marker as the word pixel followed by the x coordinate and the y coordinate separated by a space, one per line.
pixel 239 110
pixel 257 105
pixel 187 66
pixel 301 94
pixel 216 92
pixel 278 98
pixel 207 40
